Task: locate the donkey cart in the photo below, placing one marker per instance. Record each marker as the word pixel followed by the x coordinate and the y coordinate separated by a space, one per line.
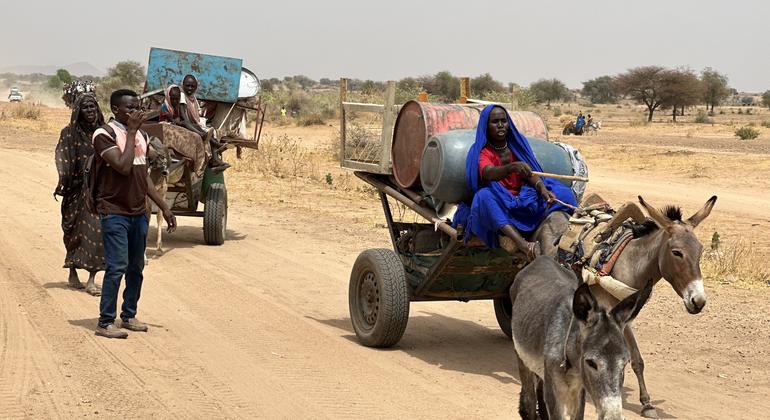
pixel 229 92
pixel 429 262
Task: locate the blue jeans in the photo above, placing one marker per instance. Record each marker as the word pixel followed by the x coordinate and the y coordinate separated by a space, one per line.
pixel 124 242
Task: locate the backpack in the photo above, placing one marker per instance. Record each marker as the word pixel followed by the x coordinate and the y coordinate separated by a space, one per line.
pixel 90 174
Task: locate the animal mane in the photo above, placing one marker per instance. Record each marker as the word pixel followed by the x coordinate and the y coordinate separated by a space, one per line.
pixel 643 229
pixel 674 213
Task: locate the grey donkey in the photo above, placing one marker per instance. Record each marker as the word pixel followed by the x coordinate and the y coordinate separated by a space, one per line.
pixel 568 345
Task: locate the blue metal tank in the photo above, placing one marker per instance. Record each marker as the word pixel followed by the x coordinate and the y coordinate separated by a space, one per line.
pixel 442 170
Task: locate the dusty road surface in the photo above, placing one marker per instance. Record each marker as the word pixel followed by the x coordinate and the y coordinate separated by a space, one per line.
pixel 259 327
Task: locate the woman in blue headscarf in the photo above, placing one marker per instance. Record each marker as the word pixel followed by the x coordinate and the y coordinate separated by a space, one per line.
pixel 508 198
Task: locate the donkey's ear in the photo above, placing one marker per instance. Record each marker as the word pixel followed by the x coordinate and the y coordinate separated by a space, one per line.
pixel 583 302
pixel 703 213
pixel 625 311
pixel 655 214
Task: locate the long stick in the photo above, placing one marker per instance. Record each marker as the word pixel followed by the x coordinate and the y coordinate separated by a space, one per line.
pixel 564 177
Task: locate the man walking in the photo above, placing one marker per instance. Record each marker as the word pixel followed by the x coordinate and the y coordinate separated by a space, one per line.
pixel 122 188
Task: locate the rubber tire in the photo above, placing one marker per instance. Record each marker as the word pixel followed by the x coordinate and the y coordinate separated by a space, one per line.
pixel 503 315
pixel 393 309
pixel 215 215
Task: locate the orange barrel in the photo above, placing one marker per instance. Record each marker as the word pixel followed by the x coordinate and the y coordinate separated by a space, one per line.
pixel 416 123
pixel 419 121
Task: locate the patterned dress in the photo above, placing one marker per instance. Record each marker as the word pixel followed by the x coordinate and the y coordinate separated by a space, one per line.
pixel 82 230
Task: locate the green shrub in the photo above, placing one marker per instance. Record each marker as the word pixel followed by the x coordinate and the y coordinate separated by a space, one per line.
pixel 747 133
pixel 702 118
pixel 740 111
pixel 556 111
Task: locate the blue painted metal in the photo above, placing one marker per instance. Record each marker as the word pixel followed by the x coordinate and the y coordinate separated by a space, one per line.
pixel 218 77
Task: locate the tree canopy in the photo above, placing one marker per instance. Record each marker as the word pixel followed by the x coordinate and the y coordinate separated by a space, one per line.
pixel 547 90
pixel 600 90
pixel 715 88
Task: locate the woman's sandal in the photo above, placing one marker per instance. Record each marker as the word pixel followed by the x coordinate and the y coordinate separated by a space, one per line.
pixel 533 250
pixel 94 291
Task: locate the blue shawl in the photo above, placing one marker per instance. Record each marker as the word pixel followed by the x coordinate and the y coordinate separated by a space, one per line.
pixel 493 206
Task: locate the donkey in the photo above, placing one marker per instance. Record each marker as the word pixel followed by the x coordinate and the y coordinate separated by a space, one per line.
pixel 159 161
pixel 567 344
pixel 665 247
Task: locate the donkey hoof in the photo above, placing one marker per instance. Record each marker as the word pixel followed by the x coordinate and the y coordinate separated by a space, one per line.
pixel 649 412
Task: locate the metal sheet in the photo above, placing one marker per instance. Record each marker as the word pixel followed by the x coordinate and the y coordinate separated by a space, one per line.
pixel 218 77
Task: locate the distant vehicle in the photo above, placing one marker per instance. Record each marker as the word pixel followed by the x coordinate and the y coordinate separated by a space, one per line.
pixel 15 95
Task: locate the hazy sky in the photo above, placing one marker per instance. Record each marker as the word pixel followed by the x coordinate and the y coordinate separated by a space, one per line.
pixel 515 41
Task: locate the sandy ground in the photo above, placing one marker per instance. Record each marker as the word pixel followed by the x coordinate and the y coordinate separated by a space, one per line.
pixel 259 327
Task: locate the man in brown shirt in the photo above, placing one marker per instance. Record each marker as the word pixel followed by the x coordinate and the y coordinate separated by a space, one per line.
pixel 122 188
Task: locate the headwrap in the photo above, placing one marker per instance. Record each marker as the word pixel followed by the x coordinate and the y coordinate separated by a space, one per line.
pixel 493 206
pixel 78 105
pixel 167 107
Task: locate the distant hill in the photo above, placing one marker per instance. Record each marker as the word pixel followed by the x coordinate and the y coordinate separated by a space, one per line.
pixel 76 69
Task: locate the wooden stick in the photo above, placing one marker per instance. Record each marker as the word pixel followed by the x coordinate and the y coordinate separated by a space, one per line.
pixel 564 177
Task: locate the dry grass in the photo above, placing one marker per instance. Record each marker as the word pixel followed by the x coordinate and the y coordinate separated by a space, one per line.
pixel 736 263
pixel 26 110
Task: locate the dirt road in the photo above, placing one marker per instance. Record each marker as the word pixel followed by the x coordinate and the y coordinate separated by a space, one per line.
pixel 259 327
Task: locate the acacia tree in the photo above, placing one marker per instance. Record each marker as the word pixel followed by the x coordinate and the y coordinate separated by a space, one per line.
pixel 485 84
pixel 645 85
pixel 766 98
pixel 715 88
pixel 681 88
pixel 547 90
pixel 600 90
pixel 443 85
pixel 124 75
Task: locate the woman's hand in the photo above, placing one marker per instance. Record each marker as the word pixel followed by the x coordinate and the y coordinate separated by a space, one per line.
pixel 520 168
pixel 544 192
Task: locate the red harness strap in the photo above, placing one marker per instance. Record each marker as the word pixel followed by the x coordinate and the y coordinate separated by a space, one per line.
pixel 610 264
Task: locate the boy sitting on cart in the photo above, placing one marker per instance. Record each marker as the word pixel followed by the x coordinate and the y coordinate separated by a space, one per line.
pixel 508 198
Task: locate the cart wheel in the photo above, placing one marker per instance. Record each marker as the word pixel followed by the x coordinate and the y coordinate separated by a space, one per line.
pixel 378 298
pixel 215 215
pixel 503 315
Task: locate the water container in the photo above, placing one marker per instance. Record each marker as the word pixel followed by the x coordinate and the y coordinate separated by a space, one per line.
pixel 417 122
pixel 442 171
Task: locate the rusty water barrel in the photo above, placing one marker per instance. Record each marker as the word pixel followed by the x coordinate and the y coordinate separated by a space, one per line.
pixel 442 173
pixel 418 121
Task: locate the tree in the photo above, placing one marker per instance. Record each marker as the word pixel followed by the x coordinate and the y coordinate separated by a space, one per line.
pixel 681 88
pixel 547 90
pixel 325 81
pixel 304 81
pixel 58 80
pixel 54 82
pixel 64 75
pixel 266 86
pixel 644 85
pixel 129 73
pixel 368 87
pixel 443 85
pixel 715 87
pixel 123 75
pixel 600 90
pixel 485 84
pixel 766 98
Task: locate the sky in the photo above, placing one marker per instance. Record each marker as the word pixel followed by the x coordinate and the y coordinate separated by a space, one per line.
pixel 514 41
